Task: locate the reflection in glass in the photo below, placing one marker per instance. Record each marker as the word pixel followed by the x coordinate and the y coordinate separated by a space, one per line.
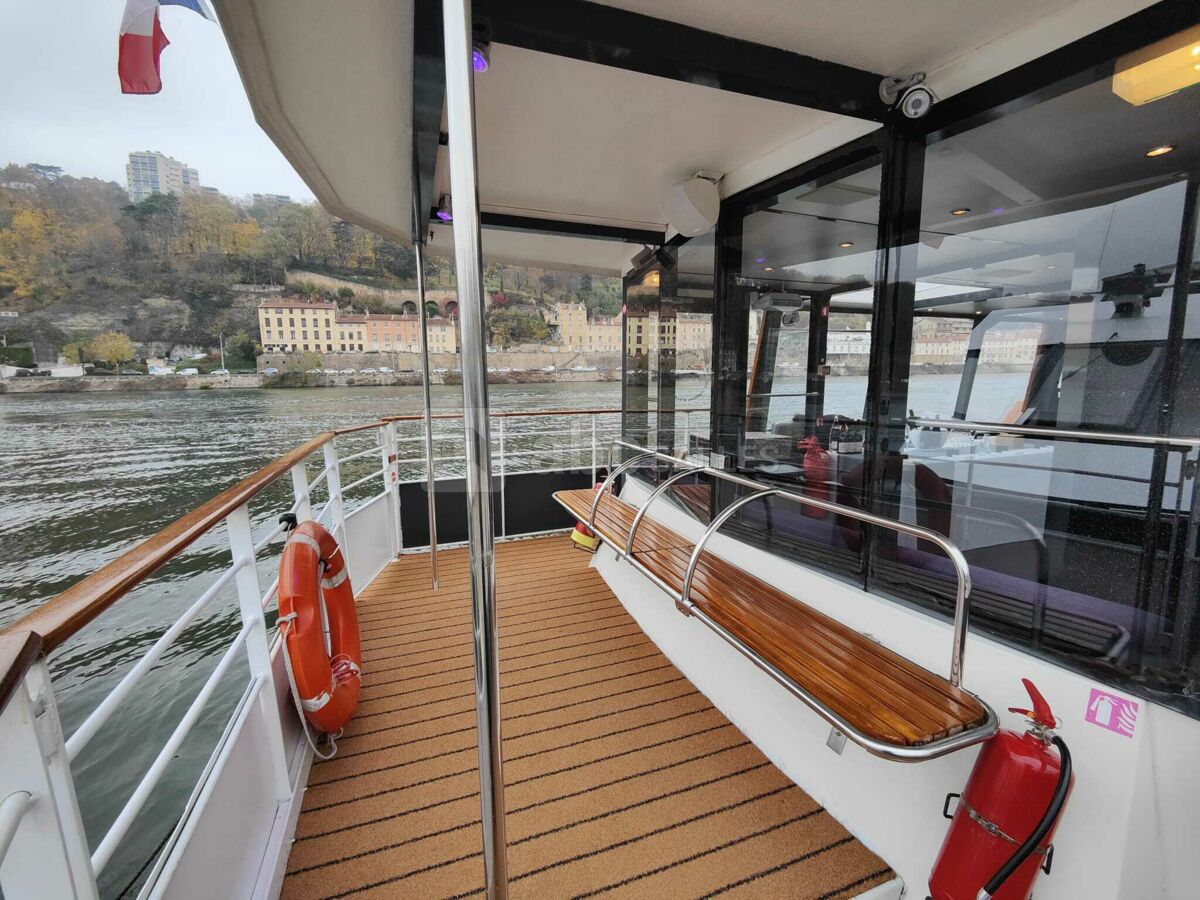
pixel 1047 305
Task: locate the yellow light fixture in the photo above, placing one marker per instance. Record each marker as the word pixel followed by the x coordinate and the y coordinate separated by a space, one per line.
pixel 961 211
pixel 846 245
pixel 1159 70
pixel 1159 151
pixel 652 279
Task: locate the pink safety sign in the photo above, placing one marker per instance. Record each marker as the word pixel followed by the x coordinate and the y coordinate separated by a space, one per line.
pixel 1111 712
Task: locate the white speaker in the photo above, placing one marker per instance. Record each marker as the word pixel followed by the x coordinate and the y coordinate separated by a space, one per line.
pixel 692 206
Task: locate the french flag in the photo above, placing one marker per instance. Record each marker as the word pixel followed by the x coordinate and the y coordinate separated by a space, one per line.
pixel 142 40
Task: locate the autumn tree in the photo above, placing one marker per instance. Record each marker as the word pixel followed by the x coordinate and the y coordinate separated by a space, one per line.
pixel 31 261
pixel 111 347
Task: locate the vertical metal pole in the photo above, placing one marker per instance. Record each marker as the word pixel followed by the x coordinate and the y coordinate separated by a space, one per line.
pixel 503 485
pixel 430 475
pixel 593 448
pixel 258 645
pixel 391 479
pixel 468 259
pixel 48 855
pixel 300 492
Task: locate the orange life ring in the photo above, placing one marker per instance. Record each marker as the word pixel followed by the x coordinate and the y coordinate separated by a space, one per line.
pixel 312 573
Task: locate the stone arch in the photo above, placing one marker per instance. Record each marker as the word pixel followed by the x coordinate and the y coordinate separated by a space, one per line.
pixel 408 308
pixel 452 309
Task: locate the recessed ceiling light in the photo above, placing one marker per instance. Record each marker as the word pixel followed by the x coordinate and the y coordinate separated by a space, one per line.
pixel 961 211
pixel 1160 151
pixel 769 269
pixel 846 244
pixel 1051 267
pixel 1196 50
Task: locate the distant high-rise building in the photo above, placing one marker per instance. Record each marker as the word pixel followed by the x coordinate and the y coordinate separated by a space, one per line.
pixel 150 172
pixel 271 201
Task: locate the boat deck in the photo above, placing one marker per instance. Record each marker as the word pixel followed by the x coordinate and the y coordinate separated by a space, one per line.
pixel 621 778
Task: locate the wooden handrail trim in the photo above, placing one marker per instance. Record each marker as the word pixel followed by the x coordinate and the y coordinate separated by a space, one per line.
pixel 355 428
pixel 18 650
pixel 59 618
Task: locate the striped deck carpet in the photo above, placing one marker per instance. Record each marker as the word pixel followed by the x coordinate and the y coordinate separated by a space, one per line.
pixel 621 779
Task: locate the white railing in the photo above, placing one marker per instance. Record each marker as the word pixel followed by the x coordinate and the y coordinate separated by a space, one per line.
pixel 44 850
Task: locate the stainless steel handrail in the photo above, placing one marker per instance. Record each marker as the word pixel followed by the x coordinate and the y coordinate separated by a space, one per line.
pixel 1104 437
pixel 641 513
pixel 614 472
pixel 685 593
pixel 958 561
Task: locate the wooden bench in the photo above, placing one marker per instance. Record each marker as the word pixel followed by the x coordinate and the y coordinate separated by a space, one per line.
pixel 881 699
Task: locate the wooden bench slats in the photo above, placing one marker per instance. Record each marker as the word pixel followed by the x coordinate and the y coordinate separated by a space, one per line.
pixel 879 692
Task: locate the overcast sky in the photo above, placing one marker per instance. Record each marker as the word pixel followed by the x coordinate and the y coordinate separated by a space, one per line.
pixel 61 103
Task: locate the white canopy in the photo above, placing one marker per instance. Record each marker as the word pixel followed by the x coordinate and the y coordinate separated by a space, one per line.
pixel 563 139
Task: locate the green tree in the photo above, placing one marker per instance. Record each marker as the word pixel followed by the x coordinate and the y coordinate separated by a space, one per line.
pixel 111 347
pixel 307 360
pixel 73 351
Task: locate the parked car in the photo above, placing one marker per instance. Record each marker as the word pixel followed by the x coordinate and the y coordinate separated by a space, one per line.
pixel 312 371
pixel 384 370
pixel 270 370
pixel 329 371
pixel 368 371
pixel 219 372
pixel 348 371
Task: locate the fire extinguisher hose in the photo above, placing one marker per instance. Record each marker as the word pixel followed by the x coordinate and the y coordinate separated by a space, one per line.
pixel 1043 827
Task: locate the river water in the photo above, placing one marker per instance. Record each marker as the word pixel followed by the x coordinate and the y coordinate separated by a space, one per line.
pixel 85 477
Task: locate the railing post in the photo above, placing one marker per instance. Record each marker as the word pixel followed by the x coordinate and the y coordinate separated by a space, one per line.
pixel 503 483
pixel 391 481
pixel 300 492
pixel 333 481
pixel 48 856
pixel 258 647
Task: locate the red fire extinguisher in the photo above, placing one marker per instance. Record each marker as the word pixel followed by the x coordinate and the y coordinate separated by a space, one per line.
pixel 817 474
pixel 1001 832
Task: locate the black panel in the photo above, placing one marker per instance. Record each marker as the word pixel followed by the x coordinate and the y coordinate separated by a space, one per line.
pixel 529 506
pixel 506 222
pixel 428 95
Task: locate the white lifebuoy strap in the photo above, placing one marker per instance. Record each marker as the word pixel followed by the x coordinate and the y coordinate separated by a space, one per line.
pixel 306 541
pixel 331 583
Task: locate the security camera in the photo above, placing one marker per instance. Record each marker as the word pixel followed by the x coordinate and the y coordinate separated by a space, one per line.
pixel 908 93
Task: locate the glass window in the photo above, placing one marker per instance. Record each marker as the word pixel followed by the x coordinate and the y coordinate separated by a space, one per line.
pixel 1042 298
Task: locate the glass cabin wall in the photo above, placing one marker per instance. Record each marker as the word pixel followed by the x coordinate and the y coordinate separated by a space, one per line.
pixel 1044 293
pixel 1041 272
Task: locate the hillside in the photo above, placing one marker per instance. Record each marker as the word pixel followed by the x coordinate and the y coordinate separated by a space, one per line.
pixel 77 258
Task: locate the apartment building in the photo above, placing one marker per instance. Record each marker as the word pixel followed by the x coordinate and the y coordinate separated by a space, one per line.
pixel 645 332
pixel 150 172
pixel 600 334
pixel 288 326
pixel 694 331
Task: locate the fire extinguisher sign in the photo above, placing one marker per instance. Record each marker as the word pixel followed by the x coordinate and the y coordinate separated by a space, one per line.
pixel 1111 712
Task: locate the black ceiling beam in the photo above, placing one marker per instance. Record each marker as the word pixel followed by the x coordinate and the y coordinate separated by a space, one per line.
pixel 428 96
pixel 614 37
pixel 559 227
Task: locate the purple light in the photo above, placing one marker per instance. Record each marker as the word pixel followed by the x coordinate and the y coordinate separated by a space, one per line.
pixel 479 61
pixel 760 259
pixel 998 210
pixel 444 215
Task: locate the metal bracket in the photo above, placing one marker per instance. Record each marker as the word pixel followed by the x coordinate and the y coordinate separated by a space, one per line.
pixel 836 741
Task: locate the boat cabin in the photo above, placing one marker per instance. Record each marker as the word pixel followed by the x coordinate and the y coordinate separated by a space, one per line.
pixel 908 414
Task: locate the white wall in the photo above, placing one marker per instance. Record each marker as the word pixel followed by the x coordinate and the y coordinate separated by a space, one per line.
pixel 1132 825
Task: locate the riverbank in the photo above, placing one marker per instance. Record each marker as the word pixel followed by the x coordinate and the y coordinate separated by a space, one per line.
pixel 135 383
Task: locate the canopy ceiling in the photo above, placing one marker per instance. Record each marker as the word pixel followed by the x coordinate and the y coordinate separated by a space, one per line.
pixel 565 139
